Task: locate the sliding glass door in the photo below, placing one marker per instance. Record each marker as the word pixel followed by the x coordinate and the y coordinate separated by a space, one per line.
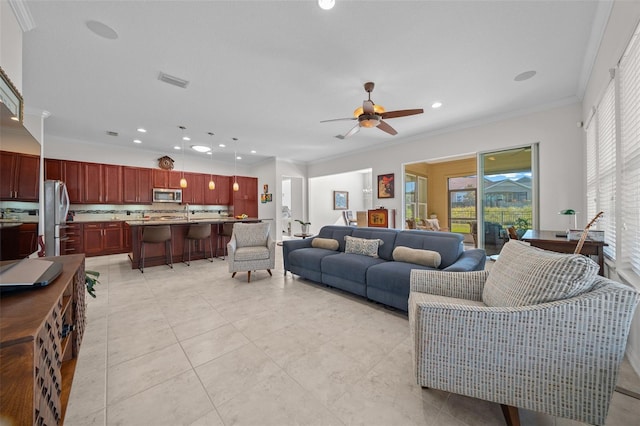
pixel 508 191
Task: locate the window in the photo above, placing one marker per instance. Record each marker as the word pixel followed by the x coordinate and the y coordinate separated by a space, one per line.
pixel 613 161
pixel 630 150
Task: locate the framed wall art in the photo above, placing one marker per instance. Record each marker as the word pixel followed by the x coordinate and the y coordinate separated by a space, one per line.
pixel 386 186
pixel 340 200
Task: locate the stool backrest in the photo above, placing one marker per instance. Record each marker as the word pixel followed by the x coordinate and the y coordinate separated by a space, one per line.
pixel 156 234
pixel 199 231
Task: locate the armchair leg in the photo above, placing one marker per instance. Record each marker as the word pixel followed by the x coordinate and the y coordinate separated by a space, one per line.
pixel 233 275
pixel 248 276
pixel 269 271
pixel 510 414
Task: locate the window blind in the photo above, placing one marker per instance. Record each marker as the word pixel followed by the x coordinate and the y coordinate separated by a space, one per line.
pixel 606 162
pixel 630 149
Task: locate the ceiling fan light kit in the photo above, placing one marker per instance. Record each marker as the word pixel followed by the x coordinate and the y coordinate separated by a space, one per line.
pixel 183 181
pixel 212 184
pixel 371 115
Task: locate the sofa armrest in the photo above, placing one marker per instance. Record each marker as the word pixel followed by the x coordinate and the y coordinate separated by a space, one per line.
pixel 461 285
pixel 469 260
pixel 290 245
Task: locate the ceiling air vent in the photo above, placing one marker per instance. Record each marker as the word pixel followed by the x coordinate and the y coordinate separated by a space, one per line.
pixel 110 133
pixel 172 80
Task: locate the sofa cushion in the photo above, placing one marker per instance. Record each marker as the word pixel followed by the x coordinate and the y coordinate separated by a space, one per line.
pixel 448 244
pixel 362 246
pixel 525 275
pixel 309 258
pixel 325 243
pixel 350 267
pixel 385 251
pixel 337 233
pixel 420 257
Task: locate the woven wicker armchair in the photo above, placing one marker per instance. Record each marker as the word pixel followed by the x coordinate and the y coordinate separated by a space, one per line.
pixel 538 331
pixel 251 248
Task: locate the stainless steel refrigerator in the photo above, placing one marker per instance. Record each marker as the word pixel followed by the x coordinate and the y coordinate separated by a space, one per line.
pixel 56 208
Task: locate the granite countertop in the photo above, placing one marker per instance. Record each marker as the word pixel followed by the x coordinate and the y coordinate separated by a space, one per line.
pixel 9 224
pixel 183 221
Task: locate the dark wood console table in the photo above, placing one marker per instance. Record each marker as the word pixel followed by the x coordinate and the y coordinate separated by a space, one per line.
pixel 547 240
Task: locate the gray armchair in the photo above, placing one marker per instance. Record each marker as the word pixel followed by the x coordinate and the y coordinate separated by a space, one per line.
pixel 251 248
pixel 539 331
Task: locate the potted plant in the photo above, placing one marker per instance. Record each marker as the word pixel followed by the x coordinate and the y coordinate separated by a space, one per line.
pixel 91 279
pixel 521 226
pixel 304 226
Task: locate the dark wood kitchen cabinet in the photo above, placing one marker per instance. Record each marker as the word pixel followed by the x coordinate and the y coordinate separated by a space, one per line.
pixel 166 179
pixel 71 173
pixel 93 183
pixel 194 192
pixel 220 195
pixel 19 176
pixel 137 185
pixel 102 238
pixel 27 239
pixel 73 238
pixel 245 200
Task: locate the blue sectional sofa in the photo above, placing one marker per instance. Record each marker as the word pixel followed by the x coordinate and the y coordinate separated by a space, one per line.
pixel 381 279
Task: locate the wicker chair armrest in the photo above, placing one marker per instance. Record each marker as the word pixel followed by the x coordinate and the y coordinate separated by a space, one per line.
pixel 461 285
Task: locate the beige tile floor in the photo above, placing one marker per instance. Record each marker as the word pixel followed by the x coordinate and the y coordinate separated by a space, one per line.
pixel 192 346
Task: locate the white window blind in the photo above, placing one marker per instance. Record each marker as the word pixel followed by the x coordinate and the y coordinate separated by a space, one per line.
pixel 592 170
pixel 630 149
pixel 606 153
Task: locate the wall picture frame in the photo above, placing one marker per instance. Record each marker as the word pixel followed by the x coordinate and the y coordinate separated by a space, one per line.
pixel 11 97
pixel 386 185
pixel 340 200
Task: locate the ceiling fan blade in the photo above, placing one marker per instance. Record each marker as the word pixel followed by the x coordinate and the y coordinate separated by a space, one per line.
pixel 352 132
pixel 367 106
pixel 386 128
pixel 401 113
pixel 339 119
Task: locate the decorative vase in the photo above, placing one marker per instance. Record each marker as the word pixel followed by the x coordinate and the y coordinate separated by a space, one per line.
pixel 305 229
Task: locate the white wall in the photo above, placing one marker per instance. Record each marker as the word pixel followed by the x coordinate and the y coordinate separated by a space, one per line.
pixel 11 45
pixel 321 198
pixel 561 153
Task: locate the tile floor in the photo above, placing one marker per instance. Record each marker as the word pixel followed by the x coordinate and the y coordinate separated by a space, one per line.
pixel 192 346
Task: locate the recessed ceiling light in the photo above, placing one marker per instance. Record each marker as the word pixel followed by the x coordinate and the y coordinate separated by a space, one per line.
pixel 238 158
pixel 326 4
pixel 177 148
pixel 14 118
pixel 137 141
pixel 253 151
pixel 186 138
pixel 200 148
pixel 102 30
pixel 436 105
pixel 209 153
pixel 525 75
pixel 222 145
pixel 141 130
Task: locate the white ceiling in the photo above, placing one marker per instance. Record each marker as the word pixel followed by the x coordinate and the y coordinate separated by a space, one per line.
pixel 267 72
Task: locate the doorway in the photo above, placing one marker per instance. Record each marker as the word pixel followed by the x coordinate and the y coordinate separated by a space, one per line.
pixel 292 203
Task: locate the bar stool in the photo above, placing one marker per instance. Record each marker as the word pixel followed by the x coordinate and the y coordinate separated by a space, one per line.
pixel 197 232
pixel 156 235
pixel 227 230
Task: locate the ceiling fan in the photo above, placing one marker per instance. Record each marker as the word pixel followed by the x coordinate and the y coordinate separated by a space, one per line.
pixel 372 115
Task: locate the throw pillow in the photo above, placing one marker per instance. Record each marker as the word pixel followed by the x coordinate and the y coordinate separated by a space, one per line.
pixel 325 243
pixel 419 257
pixel 362 246
pixel 525 275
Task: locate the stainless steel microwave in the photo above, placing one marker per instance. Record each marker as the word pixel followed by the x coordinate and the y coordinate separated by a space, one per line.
pixel 161 195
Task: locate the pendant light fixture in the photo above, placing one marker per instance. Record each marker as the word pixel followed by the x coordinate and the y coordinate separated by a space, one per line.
pixel 212 184
pixel 236 187
pixel 183 181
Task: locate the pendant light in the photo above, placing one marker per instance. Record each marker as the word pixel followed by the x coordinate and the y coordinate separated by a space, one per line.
pixel 236 187
pixel 212 184
pixel 183 181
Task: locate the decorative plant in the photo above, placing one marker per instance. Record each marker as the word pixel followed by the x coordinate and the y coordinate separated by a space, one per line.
pixel 303 223
pixel 91 279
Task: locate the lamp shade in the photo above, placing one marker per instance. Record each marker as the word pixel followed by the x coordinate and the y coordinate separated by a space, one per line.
pixel 212 185
pixel 236 187
pixel 183 183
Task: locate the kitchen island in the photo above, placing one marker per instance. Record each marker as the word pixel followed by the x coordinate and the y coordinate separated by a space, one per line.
pixel 155 253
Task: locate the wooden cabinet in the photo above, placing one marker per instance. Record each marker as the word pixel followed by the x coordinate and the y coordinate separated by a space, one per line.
pixel 27 239
pixel 41 332
pixel 245 200
pixel 73 238
pixel 220 195
pixel 19 176
pixel 166 179
pixel 194 192
pixel 137 185
pixel 113 186
pixel 93 183
pixel 71 173
pixel 102 238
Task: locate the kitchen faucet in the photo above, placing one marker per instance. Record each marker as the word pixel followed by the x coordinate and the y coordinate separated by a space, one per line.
pixel 186 208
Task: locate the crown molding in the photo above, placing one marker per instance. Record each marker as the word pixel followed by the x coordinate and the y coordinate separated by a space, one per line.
pixel 22 14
